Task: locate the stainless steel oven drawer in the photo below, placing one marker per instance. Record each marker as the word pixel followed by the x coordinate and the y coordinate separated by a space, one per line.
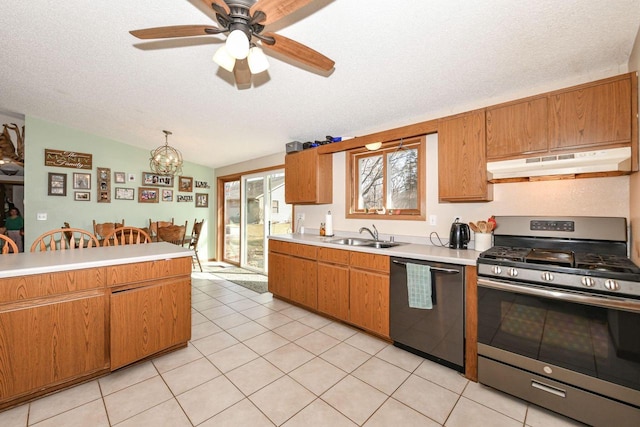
pixel 556 396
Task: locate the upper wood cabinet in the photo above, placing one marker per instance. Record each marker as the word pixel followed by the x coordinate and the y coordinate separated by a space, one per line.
pixel 308 177
pixel 462 159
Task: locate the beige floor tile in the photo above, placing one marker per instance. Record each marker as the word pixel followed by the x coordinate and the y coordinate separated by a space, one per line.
pixel 16 417
pixel 63 401
pixel 248 293
pixel 401 358
pixel 190 375
pixel 295 312
pixel 319 413
pixel 197 318
pixel 265 343
pixel 231 320
pixel 394 413
pixel 540 417
pixel 230 297
pixel 382 375
pixel 366 343
pixel 317 375
pixel 247 330
pixel 427 398
pixel 257 312
pixel 209 399
pixel 204 329
pixel 217 312
pixel 243 413
pixel 218 291
pixel 207 304
pixel 167 414
pixel 125 377
pixel 314 321
pixel 338 330
pixel 354 398
pixel 274 320
pixel 138 398
pixel 497 400
pixel 215 342
pixel 468 413
pixel 90 414
pixel 289 357
pixel 198 296
pixel 243 304
pixel 254 375
pixel 176 358
pixel 263 298
pixel 276 304
pixel 345 357
pixel 317 342
pixel 293 330
pixel 441 375
pixel 282 399
pixel 232 357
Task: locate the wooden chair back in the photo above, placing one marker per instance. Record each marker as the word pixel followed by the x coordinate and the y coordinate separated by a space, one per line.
pixel 126 236
pixel 102 229
pixel 8 245
pixel 196 231
pixel 64 238
pixel 153 226
pixel 173 233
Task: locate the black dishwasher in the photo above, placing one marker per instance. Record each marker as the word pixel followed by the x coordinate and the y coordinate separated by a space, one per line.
pixel 437 333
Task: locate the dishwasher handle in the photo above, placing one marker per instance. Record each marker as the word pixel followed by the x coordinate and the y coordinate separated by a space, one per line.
pixel 436 269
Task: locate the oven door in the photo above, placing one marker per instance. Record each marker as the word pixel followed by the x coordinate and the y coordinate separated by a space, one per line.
pixel 589 341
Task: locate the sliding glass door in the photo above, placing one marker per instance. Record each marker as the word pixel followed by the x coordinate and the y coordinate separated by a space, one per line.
pixel 231 223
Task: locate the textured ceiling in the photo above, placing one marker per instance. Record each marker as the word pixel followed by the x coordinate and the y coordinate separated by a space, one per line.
pixel 74 62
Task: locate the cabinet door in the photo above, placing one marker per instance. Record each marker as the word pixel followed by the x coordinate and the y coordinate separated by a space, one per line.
pixel 517 129
pixel 369 301
pixel 462 160
pixel 147 320
pixel 333 290
pixel 52 343
pixel 308 177
pixel 589 116
pixel 303 279
pixel 278 275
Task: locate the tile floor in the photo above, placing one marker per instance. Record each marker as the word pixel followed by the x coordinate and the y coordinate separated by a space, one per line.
pixel 257 361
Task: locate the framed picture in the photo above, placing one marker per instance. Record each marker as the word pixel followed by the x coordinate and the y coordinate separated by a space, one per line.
pixel 148 195
pixel 119 177
pixel 186 184
pixel 124 193
pixel 57 184
pixel 104 185
pixel 82 196
pixel 149 178
pixel 132 177
pixel 167 195
pixel 81 181
pixel 202 200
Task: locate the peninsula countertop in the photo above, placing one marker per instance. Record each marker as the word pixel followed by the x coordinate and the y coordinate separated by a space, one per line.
pixel 22 264
pixel 405 250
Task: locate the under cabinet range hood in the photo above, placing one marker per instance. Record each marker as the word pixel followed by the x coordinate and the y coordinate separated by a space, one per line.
pixel 609 160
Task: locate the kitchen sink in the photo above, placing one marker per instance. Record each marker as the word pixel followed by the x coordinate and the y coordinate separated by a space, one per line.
pixel 378 244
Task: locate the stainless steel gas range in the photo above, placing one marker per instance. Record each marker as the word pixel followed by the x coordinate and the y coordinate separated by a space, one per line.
pixel 559 317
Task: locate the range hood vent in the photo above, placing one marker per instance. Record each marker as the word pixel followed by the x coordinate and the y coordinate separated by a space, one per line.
pixel 609 160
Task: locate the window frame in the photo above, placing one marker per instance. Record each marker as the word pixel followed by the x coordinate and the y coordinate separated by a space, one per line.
pixel 352 181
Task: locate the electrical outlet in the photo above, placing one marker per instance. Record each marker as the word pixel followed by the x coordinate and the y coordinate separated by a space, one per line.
pixel 433 220
pixel 41 216
pixel 300 216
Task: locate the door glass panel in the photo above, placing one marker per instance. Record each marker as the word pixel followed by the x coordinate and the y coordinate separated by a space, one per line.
pixel 232 222
pixel 280 213
pixel 254 232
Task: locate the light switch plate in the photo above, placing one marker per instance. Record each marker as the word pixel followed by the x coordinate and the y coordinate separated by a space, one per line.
pixel 41 216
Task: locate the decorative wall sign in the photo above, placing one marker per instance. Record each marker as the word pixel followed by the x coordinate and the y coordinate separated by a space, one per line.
pixel 182 198
pixel 167 195
pixel 124 193
pixel 148 195
pixel 202 200
pixel 67 159
pixel 119 177
pixel 57 184
pixel 81 181
pixel 104 185
pixel 186 184
pixel 202 184
pixel 82 196
pixel 149 178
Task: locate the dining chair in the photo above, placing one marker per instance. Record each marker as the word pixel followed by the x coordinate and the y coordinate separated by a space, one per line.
pixel 126 236
pixel 64 238
pixel 173 233
pixel 153 226
pixel 8 245
pixel 102 229
pixel 193 241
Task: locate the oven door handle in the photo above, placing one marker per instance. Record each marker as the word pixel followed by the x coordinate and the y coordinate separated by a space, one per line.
pixel 615 303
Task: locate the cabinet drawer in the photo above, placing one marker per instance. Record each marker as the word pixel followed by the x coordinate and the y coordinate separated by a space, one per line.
pixel 41 285
pixel 333 256
pixel 150 270
pixel 304 251
pixel 279 246
pixel 370 262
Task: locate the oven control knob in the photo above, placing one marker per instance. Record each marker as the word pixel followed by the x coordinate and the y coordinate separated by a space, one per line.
pixel 547 277
pixel 496 269
pixel 588 282
pixel 611 285
pixel 513 272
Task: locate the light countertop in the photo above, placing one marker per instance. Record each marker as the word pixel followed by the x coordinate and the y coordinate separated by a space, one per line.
pixel 408 250
pixel 27 263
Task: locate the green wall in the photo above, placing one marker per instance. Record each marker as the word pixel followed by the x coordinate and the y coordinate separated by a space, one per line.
pixel 107 153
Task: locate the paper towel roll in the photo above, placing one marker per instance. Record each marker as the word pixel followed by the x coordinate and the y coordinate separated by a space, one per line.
pixel 328 225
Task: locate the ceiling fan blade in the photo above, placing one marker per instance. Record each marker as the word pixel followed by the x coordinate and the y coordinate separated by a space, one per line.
pixel 242 73
pixel 276 9
pixel 220 3
pixel 176 31
pixel 299 52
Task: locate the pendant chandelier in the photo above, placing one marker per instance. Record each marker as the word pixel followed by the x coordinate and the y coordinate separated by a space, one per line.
pixel 166 160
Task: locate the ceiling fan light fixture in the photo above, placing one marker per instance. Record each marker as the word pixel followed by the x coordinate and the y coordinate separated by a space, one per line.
pixel 373 146
pixel 224 59
pixel 257 60
pixel 237 44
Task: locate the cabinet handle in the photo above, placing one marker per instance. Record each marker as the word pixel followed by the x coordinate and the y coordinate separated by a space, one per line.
pixel 549 389
pixel 437 269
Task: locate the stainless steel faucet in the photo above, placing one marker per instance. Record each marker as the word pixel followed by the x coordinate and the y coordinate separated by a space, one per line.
pixel 373 233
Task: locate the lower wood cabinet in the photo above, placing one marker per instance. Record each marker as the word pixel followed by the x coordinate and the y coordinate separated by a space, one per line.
pixel 333 282
pixel 303 281
pixel 278 274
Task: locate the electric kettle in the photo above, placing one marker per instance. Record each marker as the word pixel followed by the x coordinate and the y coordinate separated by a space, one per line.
pixel 459 236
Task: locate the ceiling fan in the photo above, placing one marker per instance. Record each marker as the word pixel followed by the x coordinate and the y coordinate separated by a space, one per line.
pixel 244 22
